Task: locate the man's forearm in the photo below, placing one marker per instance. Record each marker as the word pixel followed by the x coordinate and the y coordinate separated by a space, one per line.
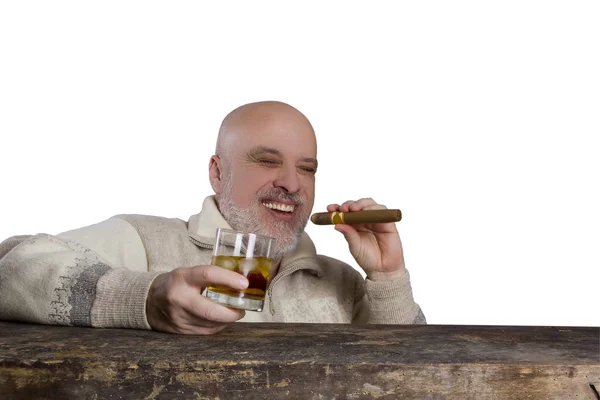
pixel 389 300
pixel 52 280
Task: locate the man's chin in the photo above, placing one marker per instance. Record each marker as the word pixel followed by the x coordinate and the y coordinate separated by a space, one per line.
pixel 279 234
pixel 286 233
pixel 282 248
pixel 272 223
pixel 286 239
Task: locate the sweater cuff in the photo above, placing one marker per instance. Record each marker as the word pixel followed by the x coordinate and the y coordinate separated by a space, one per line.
pixel 121 299
pixel 391 301
pixel 377 276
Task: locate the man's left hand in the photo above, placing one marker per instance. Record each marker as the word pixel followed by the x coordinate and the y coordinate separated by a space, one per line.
pixel 375 247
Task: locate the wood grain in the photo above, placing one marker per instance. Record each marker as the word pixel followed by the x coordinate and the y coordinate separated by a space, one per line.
pixel 301 361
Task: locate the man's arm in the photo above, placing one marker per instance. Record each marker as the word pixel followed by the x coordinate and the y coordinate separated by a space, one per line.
pixel 93 276
pixel 386 300
pixel 385 297
pixel 97 276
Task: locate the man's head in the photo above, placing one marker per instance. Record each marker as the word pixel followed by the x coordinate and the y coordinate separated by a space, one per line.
pixel 263 171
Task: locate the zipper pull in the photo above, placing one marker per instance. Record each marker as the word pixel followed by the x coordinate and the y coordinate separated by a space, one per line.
pixel 271 306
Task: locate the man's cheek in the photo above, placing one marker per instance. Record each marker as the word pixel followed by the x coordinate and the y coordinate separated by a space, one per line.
pixel 243 194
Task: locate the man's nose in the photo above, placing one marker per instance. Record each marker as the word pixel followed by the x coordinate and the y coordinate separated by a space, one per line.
pixel 287 179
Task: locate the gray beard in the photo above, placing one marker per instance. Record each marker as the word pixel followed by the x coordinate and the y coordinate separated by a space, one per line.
pixel 286 234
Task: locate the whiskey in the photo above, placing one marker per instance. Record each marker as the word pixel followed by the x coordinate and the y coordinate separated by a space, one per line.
pixel 255 269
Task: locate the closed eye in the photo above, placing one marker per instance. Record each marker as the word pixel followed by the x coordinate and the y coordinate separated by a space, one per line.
pixel 268 162
pixel 309 169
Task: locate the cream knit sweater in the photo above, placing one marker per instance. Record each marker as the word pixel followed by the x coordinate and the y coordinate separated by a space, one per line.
pixel 100 276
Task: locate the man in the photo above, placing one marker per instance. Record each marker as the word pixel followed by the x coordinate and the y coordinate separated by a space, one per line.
pixel 145 272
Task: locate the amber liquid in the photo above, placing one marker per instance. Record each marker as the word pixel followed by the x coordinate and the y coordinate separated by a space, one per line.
pixel 256 270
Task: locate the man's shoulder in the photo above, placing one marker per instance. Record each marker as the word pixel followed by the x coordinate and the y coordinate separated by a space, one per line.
pixel 150 218
pixel 153 222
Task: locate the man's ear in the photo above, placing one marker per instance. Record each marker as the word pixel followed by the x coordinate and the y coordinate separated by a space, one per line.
pixel 214 173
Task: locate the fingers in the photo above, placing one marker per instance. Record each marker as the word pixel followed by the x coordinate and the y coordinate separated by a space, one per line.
pixel 209 275
pixel 366 203
pixel 374 207
pixel 202 317
pixel 211 313
pixel 350 234
pixel 333 207
pixel 175 303
pixel 206 309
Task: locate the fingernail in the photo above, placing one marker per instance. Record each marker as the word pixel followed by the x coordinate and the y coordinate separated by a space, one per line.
pixel 244 283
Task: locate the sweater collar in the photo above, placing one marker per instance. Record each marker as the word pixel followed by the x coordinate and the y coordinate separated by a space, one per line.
pixel 202 228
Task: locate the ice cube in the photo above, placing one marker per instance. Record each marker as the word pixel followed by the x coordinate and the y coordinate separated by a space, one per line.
pixel 247 265
pixel 227 263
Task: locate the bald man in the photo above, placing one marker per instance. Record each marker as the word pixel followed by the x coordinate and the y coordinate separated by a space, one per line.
pixel 147 272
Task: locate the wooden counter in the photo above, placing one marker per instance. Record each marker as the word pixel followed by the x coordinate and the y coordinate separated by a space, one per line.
pixel 301 361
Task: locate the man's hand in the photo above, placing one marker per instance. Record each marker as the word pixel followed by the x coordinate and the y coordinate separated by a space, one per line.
pixel 175 303
pixel 375 247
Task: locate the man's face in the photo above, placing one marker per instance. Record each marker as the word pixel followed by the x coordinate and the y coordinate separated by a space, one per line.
pixel 268 179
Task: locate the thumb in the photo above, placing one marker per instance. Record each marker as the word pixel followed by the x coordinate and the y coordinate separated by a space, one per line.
pixel 350 234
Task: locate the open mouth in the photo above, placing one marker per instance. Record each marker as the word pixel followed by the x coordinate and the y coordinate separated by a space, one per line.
pixel 286 208
pixel 280 209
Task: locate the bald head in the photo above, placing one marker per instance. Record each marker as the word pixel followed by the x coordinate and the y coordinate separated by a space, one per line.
pixel 263 172
pixel 254 119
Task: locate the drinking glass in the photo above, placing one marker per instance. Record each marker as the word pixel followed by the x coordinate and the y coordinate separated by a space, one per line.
pixel 247 254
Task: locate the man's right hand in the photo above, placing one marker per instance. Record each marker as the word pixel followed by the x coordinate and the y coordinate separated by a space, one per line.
pixel 175 303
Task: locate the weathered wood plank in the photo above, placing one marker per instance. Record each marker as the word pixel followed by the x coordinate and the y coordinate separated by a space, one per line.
pixel 309 361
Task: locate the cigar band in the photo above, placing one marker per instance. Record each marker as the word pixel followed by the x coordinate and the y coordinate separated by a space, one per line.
pixel 336 217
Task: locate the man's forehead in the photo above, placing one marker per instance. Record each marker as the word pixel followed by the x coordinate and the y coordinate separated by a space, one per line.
pixel 270 124
pixel 280 134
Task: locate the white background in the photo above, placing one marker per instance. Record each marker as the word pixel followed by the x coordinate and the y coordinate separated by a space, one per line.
pixel 479 120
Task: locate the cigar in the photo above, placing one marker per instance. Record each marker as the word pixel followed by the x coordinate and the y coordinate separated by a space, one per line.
pixel 356 217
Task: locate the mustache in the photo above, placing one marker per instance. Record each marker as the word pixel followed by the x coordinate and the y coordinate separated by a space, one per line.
pixel 281 195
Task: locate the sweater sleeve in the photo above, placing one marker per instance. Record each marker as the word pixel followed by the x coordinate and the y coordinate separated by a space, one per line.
pixel 94 276
pixel 387 299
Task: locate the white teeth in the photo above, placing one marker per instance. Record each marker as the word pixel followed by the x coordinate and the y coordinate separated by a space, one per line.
pixel 280 207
